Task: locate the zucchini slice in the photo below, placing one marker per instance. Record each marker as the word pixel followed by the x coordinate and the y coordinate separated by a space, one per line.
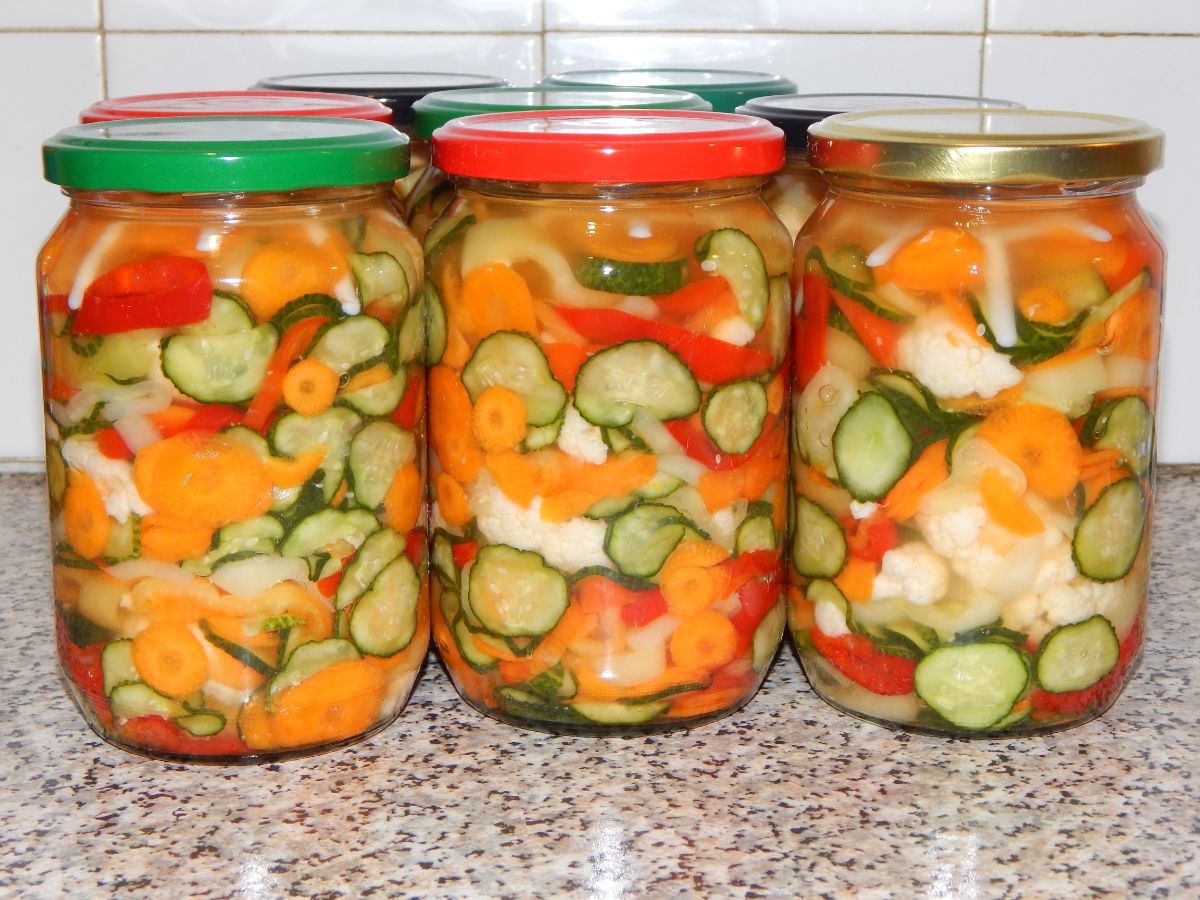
pixel 219 368
pixel 972 686
pixel 615 383
pixel 871 447
pixel 732 254
pixel 818 543
pixel 616 276
pixel 733 415
pixel 515 361
pixel 513 593
pixel 384 619
pixel 376 453
pixel 1076 656
pixel 1109 534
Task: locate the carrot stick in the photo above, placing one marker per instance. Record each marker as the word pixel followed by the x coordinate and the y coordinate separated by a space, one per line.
pixel 450 436
pixel 923 476
pixel 452 500
pixel 857 579
pixel 1006 507
pixel 402 503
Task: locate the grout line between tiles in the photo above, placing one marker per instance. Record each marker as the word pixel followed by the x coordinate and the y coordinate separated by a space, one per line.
pixel 983 43
pixel 542 42
pixel 103 35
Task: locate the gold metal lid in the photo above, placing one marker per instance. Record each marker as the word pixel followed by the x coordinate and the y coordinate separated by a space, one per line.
pixel 985 146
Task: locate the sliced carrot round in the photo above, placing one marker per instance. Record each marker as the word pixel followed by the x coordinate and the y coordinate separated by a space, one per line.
pixel 940 259
pixel 254 725
pixel 498 299
pixel 1043 304
pixel 402 503
pixel 170 659
pixel 690 589
pixel 705 640
pixel 310 387
pixel 170 540
pixel 84 516
pixel 336 703
pixel 1041 441
pixel 285 270
pixel 499 420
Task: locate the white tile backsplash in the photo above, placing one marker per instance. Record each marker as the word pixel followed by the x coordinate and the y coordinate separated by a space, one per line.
pixel 942 46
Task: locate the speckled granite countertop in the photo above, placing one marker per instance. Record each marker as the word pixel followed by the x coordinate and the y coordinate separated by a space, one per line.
pixel 787 797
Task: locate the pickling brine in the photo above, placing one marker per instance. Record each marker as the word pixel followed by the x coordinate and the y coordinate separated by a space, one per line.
pixel 608 428
pixel 234 421
pixel 976 382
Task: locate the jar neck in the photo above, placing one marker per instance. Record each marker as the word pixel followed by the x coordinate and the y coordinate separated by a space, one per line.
pixel 1024 194
pixel 307 197
pixel 713 189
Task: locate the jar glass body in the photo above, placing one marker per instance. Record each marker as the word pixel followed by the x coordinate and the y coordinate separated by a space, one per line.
pixel 794 191
pixel 602 566
pixel 235 458
pixel 976 383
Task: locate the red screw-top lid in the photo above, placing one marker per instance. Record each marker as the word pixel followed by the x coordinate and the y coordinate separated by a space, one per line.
pixel 649 146
pixel 237 103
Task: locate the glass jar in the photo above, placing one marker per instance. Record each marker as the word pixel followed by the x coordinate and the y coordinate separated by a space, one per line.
pixel 398 91
pixel 232 335
pixel 725 89
pixel 433 190
pixel 796 189
pixel 976 381
pixel 237 103
pixel 608 418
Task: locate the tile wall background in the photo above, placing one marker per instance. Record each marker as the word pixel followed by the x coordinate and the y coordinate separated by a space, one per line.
pixel 1140 59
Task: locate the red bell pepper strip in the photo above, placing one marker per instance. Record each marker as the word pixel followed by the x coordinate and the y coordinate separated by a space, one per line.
pixel 1100 694
pixel 83 668
pixel 878 335
pixel 463 553
pixel 293 343
pixel 856 657
pixel 810 328
pixel 749 566
pixel 157 733
pixel 414 546
pixel 55 303
pixel 644 609
pixel 712 361
pixel 112 445
pixel 329 584
pixel 161 292
pixel 872 537
pixel 696 443
pixel 758 598
pixel 693 297
pixel 212 418
pixel 408 413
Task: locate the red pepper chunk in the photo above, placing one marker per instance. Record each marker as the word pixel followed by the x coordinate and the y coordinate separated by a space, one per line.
pixel 697 444
pixel 83 668
pixel 414 546
pixel 157 733
pixel 463 553
pixel 810 328
pixel 644 609
pixel 872 537
pixel 878 335
pixel 161 292
pixel 112 445
pixel 711 360
pixel 1100 694
pixel 856 657
pixel 409 410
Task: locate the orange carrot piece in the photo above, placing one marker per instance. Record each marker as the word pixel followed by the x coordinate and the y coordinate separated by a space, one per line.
pixel 452 500
pixel 1098 459
pixel 170 659
pixel 288 473
pixel 171 540
pixel 523 476
pixel 620 474
pixel 254 725
pixel 338 702
pixel 1006 507
pixel 923 476
pixel 169 421
pixel 857 579
pixel 292 343
pixel 565 361
pixel 690 589
pixel 85 519
pixel 402 503
pixel 801 610
pixel 939 259
pixel 592 686
pixel 449 435
pixel 1097 481
pixel 366 378
pixel 776 394
pixel 1133 328
pixel 721 488
pixel 724 306
pixel 561 506
pixel 960 313
pixel 1041 441
pixel 497 299
pixel 705 640
pixel 701 703
pixel 1043 304
pixel 309 387
pixel 287 269
pixel 499 420
pixel 696 553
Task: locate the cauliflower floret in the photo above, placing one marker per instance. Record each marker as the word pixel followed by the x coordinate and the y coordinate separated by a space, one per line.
pixel 862 510
pixel 580 439
pixel 951 362
pixel 830 619
pixel 914 572
pixel 569 545
pixel 956 537
pixel 113 477
pixel 1061 597
pixel 735 330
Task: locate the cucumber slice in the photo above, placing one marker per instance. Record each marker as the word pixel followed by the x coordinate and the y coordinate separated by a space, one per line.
pixel 1109 535
pixel 732 253
pixel 607 507
pixel 376 453
pixel 219 368
pixel 615 383
pixel 556 683
pixel 1125 424
pixel 202 724
pixel 1082 287
pixel 631 278
pixel 513 593
pixel 767 637
pixel 306 307
pixel 757 532
pixel 312 536
pixel 124 540
pixel 410 337
pixel 294 434
pixel 515 361
pixel 476 657
pixel 239 540
pixel 972 686
pixel 614 712
pixel 818 543
pixel 228 315
pixel 243 655
pixel 733 415
pixel 522 704
pixel 661 485
pixel 850 262
pixel 619 439
pixel 131 701
pixel 871 447
pixel 379 399
pixel 384 619
pixel 538 437
pixel 779 317
pixel 821 405
pixel 376 552
pixel 442 557
pixel 640 540
pixel 435 325
pixel 379 275
pixel 116 664
pixel 308 659
pixel 351 343
pixel 1074 657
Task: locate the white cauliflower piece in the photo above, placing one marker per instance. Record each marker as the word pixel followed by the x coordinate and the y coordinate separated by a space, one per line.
pixel 1060 597
pixel 734 330
pixel 912 571
pixel 568 546
pixel 580 439
pixel 862 510
pixel 113 477
pixel 830 619
pixel 951 362
pixel 955 535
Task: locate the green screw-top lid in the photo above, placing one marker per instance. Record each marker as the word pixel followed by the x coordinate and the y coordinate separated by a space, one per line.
pixel 725 89
pixel 216 154
pixel 436 109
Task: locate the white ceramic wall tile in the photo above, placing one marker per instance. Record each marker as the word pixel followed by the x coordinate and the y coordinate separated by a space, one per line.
pixel 1133 76
pixel 140 63
pixel 817 62
pixel 1096 16
pixel 66 69
pixel 56 14
pixel 323 15
pixel 798 15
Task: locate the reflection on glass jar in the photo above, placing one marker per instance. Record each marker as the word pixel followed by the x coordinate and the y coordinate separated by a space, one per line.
pixel 234 420
pixel 608 417
pixel 976 380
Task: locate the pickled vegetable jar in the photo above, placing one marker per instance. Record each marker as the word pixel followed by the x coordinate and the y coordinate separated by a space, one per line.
pixel 725 89
pixel 796 189
pixel 237 103
pixel 396 90
pixel 608 416
pixel 232 330
pixel 976 375
pixel 432 191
